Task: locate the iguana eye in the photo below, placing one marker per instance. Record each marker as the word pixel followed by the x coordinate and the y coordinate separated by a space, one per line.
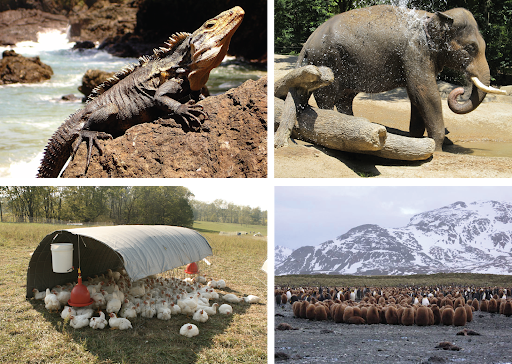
pixel 209 25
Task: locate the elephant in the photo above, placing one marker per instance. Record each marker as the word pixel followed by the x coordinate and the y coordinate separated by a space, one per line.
pixel 383 47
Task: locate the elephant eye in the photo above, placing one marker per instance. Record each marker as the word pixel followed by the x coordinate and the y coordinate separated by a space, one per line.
pixel 471 48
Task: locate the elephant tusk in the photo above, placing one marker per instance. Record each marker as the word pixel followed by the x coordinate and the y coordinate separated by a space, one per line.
pixel 488 89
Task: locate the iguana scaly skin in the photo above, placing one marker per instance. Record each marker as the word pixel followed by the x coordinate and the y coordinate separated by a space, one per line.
pixel 167 82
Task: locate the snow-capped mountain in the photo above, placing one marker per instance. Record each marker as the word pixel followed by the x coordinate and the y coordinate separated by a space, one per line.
pixel 475 237
pixel 281 253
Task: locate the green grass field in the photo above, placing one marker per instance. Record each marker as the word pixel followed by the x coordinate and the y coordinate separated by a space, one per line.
pixel 206 226
pixel 479 280
pixel 30 334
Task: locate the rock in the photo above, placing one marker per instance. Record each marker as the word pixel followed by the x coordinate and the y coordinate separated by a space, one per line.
pixel 86 44
pixel 231 143
pixel 15 68
pixel 24 24
pixel 93 78
pixel 102 20
pixel 69 97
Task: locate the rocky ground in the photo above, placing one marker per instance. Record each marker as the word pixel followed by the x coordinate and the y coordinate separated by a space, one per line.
pixel 490 125
pixel 231 143
pixel 328 342
pixel 15 68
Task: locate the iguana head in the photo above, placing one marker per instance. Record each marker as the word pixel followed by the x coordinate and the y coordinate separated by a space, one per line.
pixel 209 44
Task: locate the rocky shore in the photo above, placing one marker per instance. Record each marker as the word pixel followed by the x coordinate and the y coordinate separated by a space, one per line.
pixel 131 28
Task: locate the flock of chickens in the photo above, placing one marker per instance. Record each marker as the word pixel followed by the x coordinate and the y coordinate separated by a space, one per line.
pixel 151 297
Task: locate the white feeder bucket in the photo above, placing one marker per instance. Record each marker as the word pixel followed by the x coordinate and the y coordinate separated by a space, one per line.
pixel 62 257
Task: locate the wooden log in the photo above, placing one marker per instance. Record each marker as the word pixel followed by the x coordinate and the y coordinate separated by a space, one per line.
pixel 297 86
pixel 308 78
pixel 354 134
pixel 334 130
pixel 288 118
pixel 405 148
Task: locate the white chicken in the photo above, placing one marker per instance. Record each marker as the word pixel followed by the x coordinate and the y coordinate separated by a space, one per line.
pixel 67 312
pixel 200 316
pixel 148 310
pixel 98 322
pixel 221 284
pixel 119 323
pixel 39 295
pixel 252 299
pixel 210 310
pixel 87 312
pixel 51 302
pixel 77 322
pixel 99 301
pixel 163 311
pixel 175 309
pixel 225 309
pixel 114 305
pixel 63 297
pixel 129 312
pixel 189 330
pixel 231 298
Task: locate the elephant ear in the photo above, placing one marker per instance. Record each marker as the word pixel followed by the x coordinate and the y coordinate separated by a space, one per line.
pixel 437 28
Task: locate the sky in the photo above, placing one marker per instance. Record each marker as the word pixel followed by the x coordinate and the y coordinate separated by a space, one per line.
pixel 251 193
pixel 312 215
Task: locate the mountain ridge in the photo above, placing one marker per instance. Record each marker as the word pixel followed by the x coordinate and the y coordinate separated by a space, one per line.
pixel 460 237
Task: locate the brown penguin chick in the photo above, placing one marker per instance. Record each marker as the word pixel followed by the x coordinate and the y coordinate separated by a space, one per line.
pixel 357 311
pixel 467 332
pixel 436 313
pixel 357 320
pixel 447 316
pixel 332 310
pixel 459 301
pixel 469 312
pixel 408 316
pixel 310 311
pixel 364 312
pixel 320 312
pixel 296 308
pixel 476 305
pixel 372 315
pixel 460 317
pixel 284 299
pixel 303 309
pixel 493 306
pixel 348 313
pixel 285 326
pixel 422 316
pixel 391 316
pixel 484 306
pixel 507 309
pixel 338 313
pixel 446 345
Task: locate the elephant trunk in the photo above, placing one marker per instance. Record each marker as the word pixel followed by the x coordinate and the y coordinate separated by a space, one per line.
pixel 479 90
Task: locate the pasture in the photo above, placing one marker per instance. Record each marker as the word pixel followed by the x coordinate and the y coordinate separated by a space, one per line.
pixel 479 280
pixel 30 334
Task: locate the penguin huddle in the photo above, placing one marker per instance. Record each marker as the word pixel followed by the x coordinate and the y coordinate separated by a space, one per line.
pixel 395 306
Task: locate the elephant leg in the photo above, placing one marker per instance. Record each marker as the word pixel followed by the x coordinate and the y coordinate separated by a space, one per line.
pixel 344 102
pixel 416 125
pixel 325 97
pixel 426 111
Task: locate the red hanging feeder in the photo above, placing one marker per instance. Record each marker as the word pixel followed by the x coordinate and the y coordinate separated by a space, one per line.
pixel 80 296
pixel 191 268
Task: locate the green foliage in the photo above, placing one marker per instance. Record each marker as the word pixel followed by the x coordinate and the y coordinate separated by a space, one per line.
pixel 228 212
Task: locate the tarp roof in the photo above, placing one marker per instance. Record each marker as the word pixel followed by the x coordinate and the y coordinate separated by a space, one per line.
pixel 141 249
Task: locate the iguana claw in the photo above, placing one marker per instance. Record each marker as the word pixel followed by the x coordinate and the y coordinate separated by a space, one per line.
pixel 185 111
pixel 92 138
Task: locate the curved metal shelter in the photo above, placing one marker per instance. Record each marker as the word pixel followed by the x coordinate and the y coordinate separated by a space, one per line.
pixel 142 250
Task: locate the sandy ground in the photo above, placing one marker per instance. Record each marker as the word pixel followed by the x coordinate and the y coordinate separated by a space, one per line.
pixel 482 141
pixel 329 342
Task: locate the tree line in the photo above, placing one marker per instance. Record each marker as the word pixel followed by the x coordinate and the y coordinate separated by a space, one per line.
pixel 222 211
pixel 167 205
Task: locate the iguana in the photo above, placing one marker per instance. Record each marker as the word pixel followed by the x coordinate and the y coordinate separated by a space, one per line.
pixel 167 82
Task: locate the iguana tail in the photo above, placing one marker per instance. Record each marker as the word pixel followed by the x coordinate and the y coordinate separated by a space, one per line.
pixel 59 147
